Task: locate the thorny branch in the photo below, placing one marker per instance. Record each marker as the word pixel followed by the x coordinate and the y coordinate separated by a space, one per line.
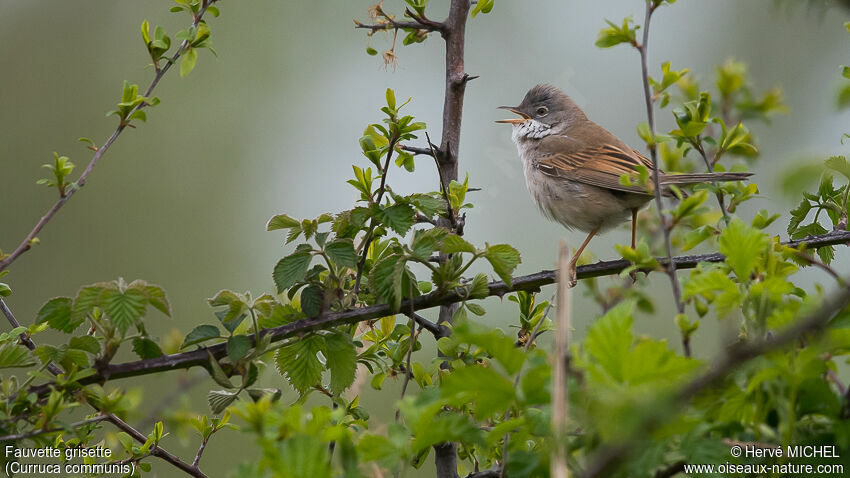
pixel 531 282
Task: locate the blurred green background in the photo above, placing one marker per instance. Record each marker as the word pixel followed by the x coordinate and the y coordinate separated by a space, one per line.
pixel 272 126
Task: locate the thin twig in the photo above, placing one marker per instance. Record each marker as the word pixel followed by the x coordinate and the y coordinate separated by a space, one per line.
pixel 156 450
pixel 531 282
pixel 28 343
pixel 666 224
pixel 367 240
pixel 194 471
pixel 42 431
pixel 26 244
pixel 408 371
pixel 443 187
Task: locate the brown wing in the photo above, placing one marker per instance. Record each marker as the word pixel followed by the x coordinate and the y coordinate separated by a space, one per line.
pixel 596 165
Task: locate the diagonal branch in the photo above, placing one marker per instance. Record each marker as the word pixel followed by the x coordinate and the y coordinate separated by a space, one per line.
pixel 192 470
pixel 531 282
pixel 26 244
pixel 603 461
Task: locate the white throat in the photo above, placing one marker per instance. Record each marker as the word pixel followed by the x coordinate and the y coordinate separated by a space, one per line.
pixel 531 129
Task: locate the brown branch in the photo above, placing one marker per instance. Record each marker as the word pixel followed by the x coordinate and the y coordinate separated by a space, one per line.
pixel 603 461
pixel 417 150
pixel 26 244
pixel 531 282
pixel 156 450
pixel 192 470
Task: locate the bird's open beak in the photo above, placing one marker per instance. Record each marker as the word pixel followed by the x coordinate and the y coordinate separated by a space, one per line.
pixel 512 109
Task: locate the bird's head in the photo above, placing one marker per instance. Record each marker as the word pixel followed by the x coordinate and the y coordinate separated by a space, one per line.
pixel 544 110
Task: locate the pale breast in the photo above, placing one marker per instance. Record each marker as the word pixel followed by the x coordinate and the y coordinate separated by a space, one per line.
pixel 573 204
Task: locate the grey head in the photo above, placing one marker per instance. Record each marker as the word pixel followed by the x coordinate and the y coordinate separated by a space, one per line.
pixel 544 110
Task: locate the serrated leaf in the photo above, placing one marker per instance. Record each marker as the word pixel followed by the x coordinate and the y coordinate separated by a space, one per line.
pixel 291 269
pixel 85 342
pixel 87 298
pixel 200 334
pixel 219 400
pixel 743 246
pixel 13 355
pixel 341 361
pixel 504 259
pixel 341 251
pixel 399 217
pixel 237 347
pixel 282 221
pixel 454 243
pixel 124 309
pixel 146 348
pixel 57 313
pixel 299 363
pixel 312 300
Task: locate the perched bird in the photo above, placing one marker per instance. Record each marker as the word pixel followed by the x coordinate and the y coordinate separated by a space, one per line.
pixel 573 166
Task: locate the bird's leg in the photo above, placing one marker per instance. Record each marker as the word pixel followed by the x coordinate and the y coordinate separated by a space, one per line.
pixel 634 226
pixel 577 254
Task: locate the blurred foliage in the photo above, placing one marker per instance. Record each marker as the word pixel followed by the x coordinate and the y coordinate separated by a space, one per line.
pixel 486 391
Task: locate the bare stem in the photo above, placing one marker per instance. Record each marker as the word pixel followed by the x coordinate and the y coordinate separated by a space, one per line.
pixel 26 244
pixel 666 223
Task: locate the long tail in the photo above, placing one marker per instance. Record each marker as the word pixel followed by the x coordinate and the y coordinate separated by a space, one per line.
pixel 695 178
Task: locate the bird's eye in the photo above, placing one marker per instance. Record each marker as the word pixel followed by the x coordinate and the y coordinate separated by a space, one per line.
pixel 542 111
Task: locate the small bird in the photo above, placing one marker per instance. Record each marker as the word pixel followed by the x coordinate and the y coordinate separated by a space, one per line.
pixel 573 166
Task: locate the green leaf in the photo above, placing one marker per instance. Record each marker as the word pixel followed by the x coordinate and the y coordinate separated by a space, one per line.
pixel 341 360
pixel 454 243
pixel 188 62
pixel 504 260
pixel 291 269
pixel 743 247
pixel 237 347
pixel 465 385
pixel 124 309
pixel 299 363
pixel 840 165
pixel 13 355
pixel 85 342
pixel 616 34
pixel 399 217
pixel 201 333
pixel 389 276
pixel 341 251
pixel 483 6
pixel 312 300
pixel 282 221
pixel 5 290
pixel 610 338
pixel 57 313
pixel 219 400
pixel 87 298
pixel 146 348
